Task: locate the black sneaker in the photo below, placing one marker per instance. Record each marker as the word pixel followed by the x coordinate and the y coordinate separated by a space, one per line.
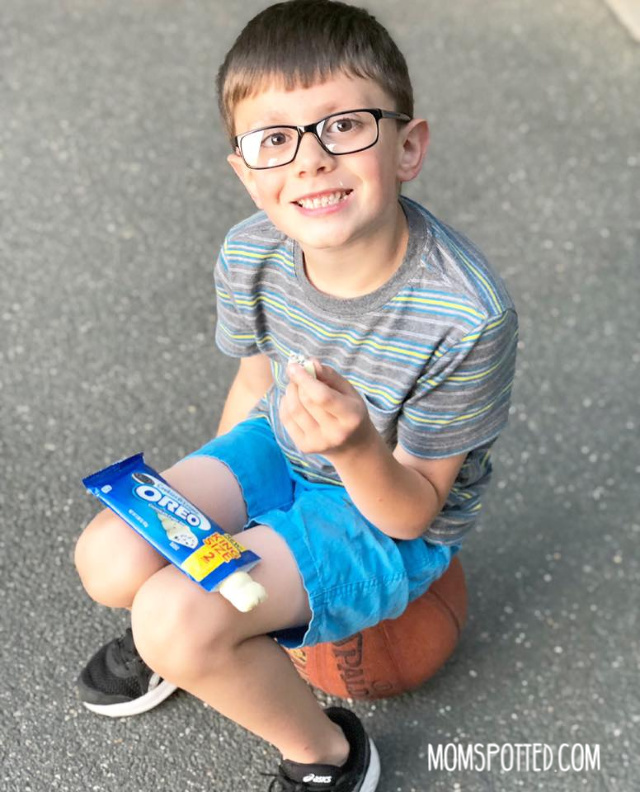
pixel 360 773
pixel 117 682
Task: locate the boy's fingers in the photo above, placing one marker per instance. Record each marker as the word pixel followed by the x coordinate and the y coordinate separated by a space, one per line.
pixel 297 373
pixel 313 388
pixel 317 367
pixel 323 418
pixel 306 417
pixel 324 391
pixel 297 411
pixel 331 378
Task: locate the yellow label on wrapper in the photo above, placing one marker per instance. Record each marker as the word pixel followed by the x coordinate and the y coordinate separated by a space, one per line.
pixel 216 551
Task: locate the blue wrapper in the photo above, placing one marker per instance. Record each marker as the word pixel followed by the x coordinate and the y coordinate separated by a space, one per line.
pixel 169 522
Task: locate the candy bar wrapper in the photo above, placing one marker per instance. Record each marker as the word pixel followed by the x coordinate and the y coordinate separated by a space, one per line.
pixel 169 522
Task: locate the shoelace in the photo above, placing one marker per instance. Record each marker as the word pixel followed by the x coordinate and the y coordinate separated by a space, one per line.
pixel 281 783
pixel 125 650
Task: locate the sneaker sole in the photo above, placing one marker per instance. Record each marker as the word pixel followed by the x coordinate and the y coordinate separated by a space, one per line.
pixel 370 781
pixel 137 706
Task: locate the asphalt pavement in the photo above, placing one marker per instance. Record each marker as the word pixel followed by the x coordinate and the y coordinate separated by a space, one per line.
pixel 114 198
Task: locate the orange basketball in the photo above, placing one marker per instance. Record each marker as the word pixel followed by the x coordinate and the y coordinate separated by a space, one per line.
pixel 396 655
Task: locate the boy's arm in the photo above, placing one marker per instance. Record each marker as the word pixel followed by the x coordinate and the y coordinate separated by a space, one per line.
pixel 251 382
pixel 399 493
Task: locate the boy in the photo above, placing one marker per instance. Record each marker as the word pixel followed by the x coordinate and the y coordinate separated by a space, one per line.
pixel 356 485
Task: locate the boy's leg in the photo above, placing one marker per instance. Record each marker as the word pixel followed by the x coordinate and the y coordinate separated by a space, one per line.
pixel 202 644
pixel 113 561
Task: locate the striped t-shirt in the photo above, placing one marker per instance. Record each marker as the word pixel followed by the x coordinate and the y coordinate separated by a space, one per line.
pixel 432 351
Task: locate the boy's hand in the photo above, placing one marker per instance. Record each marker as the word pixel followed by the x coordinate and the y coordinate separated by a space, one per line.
pixel 326 415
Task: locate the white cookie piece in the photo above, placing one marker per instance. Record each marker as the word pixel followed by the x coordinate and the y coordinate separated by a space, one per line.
pixel 306 364
pixel 178 532
pixel 242 591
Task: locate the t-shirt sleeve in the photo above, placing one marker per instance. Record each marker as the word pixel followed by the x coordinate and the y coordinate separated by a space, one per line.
pixel 235 333
pixel 461 400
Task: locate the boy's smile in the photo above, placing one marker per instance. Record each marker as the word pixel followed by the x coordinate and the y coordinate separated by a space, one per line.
pixel 336 207
pixel 323 202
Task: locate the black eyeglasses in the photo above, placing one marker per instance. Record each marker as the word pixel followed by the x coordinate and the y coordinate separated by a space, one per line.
pixel 338 133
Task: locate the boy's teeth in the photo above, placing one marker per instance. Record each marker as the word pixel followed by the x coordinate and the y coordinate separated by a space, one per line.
pixel 324 200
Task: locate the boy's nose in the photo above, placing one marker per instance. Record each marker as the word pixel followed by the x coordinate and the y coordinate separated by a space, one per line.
pixel 311 156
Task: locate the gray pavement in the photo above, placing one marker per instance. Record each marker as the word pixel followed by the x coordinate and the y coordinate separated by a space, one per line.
pixel 114 196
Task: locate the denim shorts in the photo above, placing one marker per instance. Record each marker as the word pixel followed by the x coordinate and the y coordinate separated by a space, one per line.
pixel 355 575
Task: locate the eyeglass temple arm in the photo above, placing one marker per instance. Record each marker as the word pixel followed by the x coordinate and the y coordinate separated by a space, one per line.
pixel 397 116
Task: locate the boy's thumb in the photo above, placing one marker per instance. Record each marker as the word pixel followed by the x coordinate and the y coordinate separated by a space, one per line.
pixel 331 377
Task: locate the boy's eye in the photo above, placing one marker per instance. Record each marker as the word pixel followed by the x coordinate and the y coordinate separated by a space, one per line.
pixel 343 125
pixel 279 137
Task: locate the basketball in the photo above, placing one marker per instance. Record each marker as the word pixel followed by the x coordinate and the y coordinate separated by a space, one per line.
pixel 397 655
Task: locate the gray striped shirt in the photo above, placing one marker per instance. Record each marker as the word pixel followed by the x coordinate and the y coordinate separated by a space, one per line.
pixel 432 352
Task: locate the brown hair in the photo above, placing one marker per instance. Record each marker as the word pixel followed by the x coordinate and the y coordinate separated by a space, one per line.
pixel 302 42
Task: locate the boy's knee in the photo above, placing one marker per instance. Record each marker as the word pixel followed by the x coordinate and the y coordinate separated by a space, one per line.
pixel 107 570
pixel 172 632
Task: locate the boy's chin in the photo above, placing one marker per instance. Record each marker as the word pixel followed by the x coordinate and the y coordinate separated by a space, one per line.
pixel 319 241
pixel 321 237
pixel 326 233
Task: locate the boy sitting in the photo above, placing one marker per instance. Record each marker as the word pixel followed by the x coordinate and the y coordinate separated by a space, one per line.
pixel 357 484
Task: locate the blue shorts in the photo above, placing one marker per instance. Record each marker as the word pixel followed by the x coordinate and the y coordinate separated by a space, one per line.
pixel 354 575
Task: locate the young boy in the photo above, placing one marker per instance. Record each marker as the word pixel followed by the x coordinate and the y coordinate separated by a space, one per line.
pixel 356 485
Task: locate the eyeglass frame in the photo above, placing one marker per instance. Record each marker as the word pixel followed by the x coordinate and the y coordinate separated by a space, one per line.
pixel 376 112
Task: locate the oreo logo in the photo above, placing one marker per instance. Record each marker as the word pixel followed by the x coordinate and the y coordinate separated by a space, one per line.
pixel 152 494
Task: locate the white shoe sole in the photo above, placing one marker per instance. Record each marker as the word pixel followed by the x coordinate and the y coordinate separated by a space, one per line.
pixel 370 781
pixel 137 706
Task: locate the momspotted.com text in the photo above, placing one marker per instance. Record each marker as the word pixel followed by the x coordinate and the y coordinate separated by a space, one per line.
pixel 515 757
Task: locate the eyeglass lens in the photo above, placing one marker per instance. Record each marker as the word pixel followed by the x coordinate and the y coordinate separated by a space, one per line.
pixel 342 133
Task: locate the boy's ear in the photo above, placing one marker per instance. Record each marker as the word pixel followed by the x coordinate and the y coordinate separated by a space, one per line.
pixel 246 176
pixel 414 144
